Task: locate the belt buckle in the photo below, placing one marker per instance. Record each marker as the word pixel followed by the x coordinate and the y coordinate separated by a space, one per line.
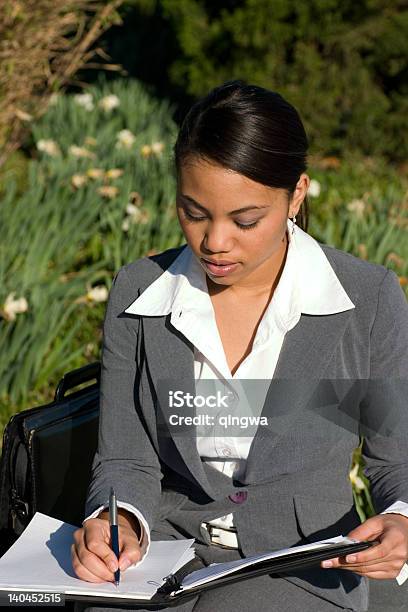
pixel 210 528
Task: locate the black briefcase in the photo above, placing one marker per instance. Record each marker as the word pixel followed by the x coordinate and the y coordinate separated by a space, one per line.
pixel 47 456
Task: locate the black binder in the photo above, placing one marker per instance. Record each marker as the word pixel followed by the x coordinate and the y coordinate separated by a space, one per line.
pixel 171 593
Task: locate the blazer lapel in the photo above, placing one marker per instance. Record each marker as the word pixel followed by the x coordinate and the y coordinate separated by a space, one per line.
pixel 306 351
pixel 170 360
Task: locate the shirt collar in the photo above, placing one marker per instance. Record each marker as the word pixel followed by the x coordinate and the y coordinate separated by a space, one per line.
pixel 308 283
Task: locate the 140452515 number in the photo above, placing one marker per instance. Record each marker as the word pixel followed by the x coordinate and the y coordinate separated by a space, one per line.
pixel 31 598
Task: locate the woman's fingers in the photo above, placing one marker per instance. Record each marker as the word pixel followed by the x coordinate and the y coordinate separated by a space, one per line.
pixel 384 560
pixel 378 554
pixel 130 551
pixel 391 546
pixel 92 556
pixel 90 551
pixel 96 542
pixel 387 563
pixel 383 571
pixel 388 556
pixel 83 572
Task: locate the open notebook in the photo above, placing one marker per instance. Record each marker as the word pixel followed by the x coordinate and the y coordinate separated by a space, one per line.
pixel 41 560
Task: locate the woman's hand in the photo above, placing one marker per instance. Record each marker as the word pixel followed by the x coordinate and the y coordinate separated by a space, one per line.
pixel 92 556
pixel 384 560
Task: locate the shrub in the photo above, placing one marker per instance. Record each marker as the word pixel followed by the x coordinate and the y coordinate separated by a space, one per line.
pixel 342 64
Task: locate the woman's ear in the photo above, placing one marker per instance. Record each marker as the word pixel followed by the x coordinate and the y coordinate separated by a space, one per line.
pixel 299 194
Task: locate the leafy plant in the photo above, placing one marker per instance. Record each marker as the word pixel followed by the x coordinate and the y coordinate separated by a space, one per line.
pixel 100 194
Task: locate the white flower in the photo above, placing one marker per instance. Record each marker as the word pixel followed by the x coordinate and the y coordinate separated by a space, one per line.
pixel 355 479
pixel 53 99
pixel 49 147
pixel 113 173
pixel 99 293
pixel 89 349
pixel 85 100
pixel 108 103
pixel 314 189
pixel 357 207
pixel 78 180
pixel 80 152
pixel 136 215
pixel 13 307
pixel 125 139
pixel 108 191
pixel 95 173
pixel 146 150
pixel 157 147
pixel 132 210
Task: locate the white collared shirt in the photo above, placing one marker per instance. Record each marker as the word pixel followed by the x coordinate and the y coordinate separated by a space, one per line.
pixel 308 285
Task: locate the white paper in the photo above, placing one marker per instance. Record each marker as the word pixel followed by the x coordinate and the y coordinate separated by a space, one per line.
pixel 216 570
pixel 403 575
pixel 41 560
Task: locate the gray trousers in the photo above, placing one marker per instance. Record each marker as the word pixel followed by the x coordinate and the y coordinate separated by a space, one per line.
pixel 264 593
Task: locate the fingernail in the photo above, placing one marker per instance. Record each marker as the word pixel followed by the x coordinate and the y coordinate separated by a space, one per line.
pixel 124 564
pixel 112 566
pixel 351 559
pixel 327 563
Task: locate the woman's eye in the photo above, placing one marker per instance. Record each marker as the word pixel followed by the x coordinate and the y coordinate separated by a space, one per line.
pixel 243 226
pixel 192 217
pixel 247 225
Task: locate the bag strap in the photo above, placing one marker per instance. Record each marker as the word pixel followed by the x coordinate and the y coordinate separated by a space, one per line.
pixel 77 377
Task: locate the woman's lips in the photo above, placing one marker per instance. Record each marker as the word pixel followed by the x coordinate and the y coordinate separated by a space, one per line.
pixel 217 270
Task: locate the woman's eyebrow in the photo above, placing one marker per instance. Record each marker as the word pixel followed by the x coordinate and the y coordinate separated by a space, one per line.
pixel 232 212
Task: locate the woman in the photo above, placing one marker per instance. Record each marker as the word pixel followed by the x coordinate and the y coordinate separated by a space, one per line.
pixel 250 296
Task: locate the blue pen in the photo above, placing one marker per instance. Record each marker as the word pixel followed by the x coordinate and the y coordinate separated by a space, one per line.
pixel 113 522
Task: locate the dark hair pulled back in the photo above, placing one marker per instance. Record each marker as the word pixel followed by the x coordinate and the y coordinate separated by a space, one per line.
pixel 248 129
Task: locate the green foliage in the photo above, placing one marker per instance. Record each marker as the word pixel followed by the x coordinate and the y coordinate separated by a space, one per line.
pixel 343 64
pixel 14 169
pixel 362 208
pixel 32 258
pixel 69 232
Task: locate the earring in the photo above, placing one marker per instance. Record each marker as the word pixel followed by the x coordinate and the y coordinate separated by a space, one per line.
pixel 293 224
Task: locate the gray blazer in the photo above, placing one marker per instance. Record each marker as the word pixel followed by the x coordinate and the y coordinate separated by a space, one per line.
pixel 338 376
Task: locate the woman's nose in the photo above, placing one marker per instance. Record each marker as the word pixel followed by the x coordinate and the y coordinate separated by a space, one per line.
pixel 217 239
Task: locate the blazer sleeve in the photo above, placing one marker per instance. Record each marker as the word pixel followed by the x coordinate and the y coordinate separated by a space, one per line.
pixel 384 409
pixel 125 457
